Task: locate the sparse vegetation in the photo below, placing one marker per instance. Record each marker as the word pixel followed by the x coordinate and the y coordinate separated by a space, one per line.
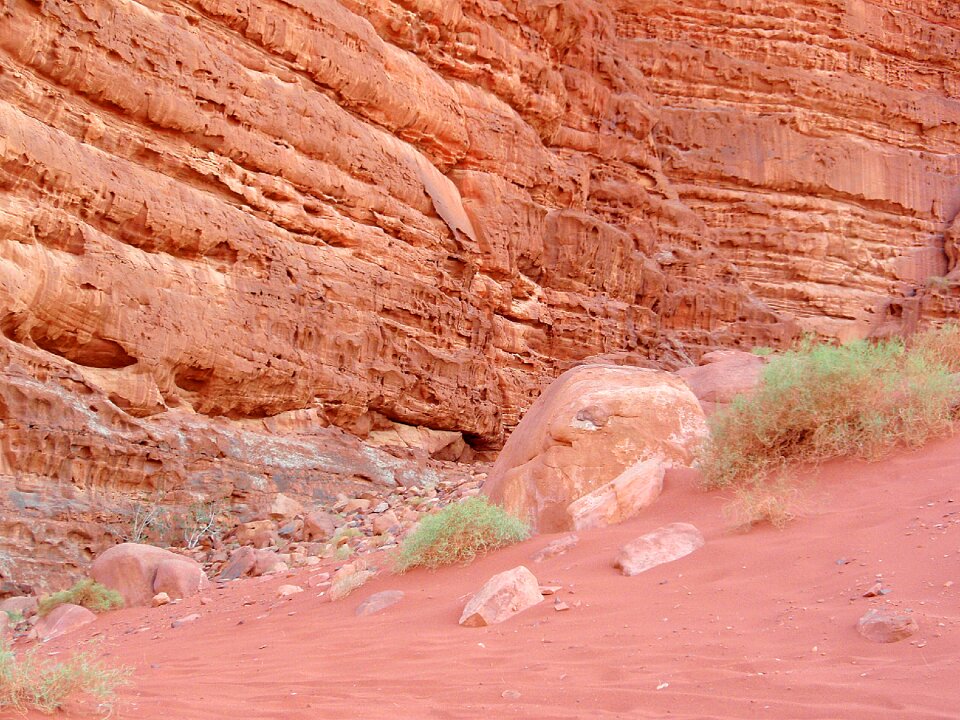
pixel 91 595
pixel 821 401
pixel 30 683
pixel 459 533
pixel 150 520
pixel 762 351
pixel 199 521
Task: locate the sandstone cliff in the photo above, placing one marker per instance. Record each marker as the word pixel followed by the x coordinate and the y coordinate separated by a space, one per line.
pixel 290 217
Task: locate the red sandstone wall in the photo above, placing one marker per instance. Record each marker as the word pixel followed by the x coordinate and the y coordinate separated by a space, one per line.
pixel 351 214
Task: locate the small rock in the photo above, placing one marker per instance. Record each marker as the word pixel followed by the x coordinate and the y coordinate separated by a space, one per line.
pixel 378 602
pixel 380 507
pixel 161 598
pixel 385 522
pixel 284 508
pixel 510 695
pixel 287 590
pixel 186 619
pixel 560 606
pixel 357 505
pixel 241 562
pixel 550 589
pixel 663 545
pixel 875 591
pixel 556 547
pixel 503 596
pixel 885 626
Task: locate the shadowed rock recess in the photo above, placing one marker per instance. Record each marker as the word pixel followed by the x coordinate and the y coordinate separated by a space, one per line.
pixel 237 235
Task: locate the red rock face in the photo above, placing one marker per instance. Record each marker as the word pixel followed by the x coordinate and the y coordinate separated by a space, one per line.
pixel 224 217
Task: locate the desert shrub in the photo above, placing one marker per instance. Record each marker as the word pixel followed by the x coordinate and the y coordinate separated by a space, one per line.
pixel 149 520
pixel 199 521
pixel 939 346
pixel 29 682
pixel 91 595
pixel 459 533
pixel 820 401
pixel 762 351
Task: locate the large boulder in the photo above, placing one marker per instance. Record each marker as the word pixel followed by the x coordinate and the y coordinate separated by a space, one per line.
pixel 503 596
pixel 138 572
pixel 588 428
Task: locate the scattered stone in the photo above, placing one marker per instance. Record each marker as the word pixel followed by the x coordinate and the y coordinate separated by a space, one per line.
pixel 886 626
pixel 378 602
pixel 556 547
pixel 357 505
pixel 62 620
pixel 875 591
pixel 510 695
pixel 663 545
pixel 260 534
pixel 621 498
pixel 186 619
pixel 550 589
pixel 138 572
pixel 560 606
pixel 503 596
pixel 266 563
pixel 381 507
pixel 284 508
pixel 241 562
pixel 287 590
pixel 385 522
pixel 159 599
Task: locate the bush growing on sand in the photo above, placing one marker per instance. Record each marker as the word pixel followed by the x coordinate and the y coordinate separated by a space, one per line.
pixel 31 683
pixel 821 401
pixel 459 533
pixel 88 593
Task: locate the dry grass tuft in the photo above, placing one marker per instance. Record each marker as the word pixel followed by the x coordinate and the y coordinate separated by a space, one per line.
pixel 459 533
pixel 91 595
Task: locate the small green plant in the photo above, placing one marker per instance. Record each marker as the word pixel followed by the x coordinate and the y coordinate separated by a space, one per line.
pixel 91 595
pixel 762 351
pixel 459 533
pixel 14 617
pixel 820 401
pixel 30 683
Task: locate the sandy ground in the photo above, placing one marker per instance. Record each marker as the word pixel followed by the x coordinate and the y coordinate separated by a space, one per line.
pixel 754 625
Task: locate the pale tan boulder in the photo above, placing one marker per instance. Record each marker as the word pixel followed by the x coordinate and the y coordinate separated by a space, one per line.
pixel 621 498
pixel 503 596
pixel 592 424
pixel 663 545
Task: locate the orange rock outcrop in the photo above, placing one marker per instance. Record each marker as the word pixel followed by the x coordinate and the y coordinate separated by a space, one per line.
pixel 242 222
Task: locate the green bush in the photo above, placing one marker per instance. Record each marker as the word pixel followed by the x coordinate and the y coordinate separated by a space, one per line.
pixel 939 346
pixel 459 533
pixel 91 595
pixel 31 683
pixel 821 401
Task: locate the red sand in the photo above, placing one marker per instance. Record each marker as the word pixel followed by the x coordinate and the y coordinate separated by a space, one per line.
pixel 760 624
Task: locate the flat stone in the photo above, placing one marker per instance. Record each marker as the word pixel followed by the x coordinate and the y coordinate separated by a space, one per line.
pixel 663 545
pixel 378 602
pixel 886 626
pixel 502 596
